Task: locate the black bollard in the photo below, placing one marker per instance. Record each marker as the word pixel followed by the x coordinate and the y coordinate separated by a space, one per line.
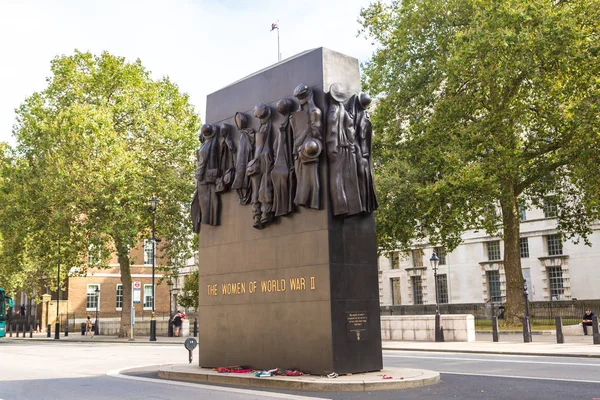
pixel 83 329
pixel 49 331
pixel 560 337
pixel 10 330
pixel 595 330
pixel 195 327
pixel 66 329
pixel 18 329
pixel 495 329
pixel 30 331
pixel 526 330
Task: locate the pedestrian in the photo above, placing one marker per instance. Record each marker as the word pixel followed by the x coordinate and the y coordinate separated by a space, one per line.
pixel 88 326
pixel 587 320
pixel 177 323
pixel 22 310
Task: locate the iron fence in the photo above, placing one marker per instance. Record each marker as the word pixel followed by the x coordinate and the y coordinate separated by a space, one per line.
pixel 542 313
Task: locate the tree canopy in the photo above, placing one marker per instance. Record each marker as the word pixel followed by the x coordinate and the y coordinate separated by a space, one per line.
pixel 484 106
pixel 92 148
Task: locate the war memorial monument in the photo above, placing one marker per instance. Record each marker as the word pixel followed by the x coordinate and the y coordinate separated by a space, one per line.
pixel 284 207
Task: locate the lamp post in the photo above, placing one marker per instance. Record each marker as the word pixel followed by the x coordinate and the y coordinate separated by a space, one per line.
pixel 439 337
pixel 152 204
pixel 57 324
pixel 526 326
pixel 97 292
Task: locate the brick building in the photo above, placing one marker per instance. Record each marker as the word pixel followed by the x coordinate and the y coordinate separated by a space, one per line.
pixel 81 290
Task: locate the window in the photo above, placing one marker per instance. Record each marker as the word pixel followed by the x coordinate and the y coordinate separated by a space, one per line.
pixel 554 245
pixel 417 257
pixel 119 300
pixel 555 283
pixel 148 252
pixel 417 289
pixel 493 278
pixel 524 247
pixel 441 285
pixel 93 298
pixel 395 260
pixel 522 213
pixel 395 291
pixel 550 207
pixel 441 253
pixel 94 256
pixel 493 250
pixel 148 297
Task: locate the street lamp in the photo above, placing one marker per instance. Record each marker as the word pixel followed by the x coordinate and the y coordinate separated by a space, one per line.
pixel 439 337
pixel 97 292
pixel 153 204
pixel 57 324
pixel 526 326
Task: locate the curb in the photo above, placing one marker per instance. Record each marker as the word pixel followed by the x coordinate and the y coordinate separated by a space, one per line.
pixel 506 353
pixel 63 340
pixel 534 333
pixel 370 381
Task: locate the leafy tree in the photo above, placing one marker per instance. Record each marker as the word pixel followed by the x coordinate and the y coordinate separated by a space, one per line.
pixel 189 297
pixel 92 148
pixel 484 106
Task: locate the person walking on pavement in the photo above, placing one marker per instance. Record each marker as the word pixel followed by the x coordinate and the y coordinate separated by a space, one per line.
pixel 88 326
pixel 177 323
pixel 587 320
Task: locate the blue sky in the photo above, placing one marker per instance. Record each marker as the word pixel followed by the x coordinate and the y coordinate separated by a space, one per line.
pixel 201 45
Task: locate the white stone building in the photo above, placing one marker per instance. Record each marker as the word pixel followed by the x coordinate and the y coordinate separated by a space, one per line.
pixel 555 269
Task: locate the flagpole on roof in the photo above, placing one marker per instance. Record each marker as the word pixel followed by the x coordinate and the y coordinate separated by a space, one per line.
pixel 274 26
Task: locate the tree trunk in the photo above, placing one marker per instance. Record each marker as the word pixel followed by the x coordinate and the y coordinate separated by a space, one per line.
pixel 514 307
pixel 123 256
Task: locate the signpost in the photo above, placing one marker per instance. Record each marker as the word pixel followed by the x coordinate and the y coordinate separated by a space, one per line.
pixel 135 299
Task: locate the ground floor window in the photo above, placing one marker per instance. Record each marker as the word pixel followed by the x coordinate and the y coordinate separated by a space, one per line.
pixel 148 295
pixel 555 283
pixel 417 289
pixel 395 291
pixel 119 299
pixel 93 297
pixel 493 280
pixel 442 288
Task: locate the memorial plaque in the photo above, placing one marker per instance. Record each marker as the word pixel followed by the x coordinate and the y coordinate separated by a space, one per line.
pixel 283 280
pixel 357 325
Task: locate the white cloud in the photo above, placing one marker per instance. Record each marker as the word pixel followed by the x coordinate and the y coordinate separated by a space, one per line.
pixel 201 45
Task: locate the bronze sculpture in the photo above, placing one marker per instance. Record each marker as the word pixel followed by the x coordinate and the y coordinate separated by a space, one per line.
pixel 259 169
pixel 364 157
pixel 307 131
pixel 283 174
pixel 227 151
pixel 242 183
pixel 206 176
pixel 341 152
pixel 275 171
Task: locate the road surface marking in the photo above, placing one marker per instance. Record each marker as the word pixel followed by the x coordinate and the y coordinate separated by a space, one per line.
pixel 117 374
pixel 521 377
pixel 492 360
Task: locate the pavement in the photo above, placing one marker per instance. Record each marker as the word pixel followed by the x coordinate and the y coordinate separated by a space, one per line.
pixel 543 344
pixel 510 343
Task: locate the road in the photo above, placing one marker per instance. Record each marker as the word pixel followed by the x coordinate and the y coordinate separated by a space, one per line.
pixel 48 370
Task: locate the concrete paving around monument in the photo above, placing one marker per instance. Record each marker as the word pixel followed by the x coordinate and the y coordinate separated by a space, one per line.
pixel 386 379
pixel 510 343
